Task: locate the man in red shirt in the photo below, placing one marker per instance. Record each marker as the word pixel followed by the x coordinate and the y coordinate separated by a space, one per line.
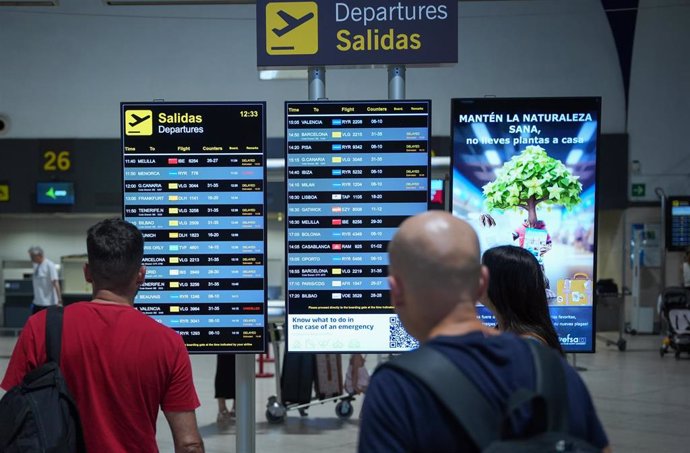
pixel 119 364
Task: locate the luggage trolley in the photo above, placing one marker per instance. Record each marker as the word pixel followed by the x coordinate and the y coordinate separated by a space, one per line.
pixel 608 295
pixel 276 409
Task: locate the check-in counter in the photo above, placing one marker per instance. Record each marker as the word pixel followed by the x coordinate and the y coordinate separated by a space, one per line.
pixel 19 294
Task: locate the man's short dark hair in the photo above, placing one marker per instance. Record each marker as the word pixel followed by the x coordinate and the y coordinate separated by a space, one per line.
pixel 115 250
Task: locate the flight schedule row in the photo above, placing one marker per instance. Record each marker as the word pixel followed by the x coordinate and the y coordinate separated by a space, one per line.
pixel 194 210
pixel 196 186
pixel 315 148
pixel 175 160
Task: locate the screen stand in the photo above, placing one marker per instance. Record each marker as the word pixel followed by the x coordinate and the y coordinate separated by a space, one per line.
pixel 577 368
pixel 396 92
pixel 662 240
pixel 396 82
pixel 317 82
pixel 245 398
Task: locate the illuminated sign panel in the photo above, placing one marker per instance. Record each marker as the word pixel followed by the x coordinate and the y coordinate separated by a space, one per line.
pixel 354 172
pixel 356 32
pixel 55 193
pixel 194 184
pixel 524 174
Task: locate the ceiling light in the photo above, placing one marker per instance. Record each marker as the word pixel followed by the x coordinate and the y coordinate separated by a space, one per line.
pixel 283 74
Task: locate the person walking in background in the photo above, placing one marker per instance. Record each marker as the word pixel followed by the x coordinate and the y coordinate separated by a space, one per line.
pixel 517 294
pixel 45 281
pixel 686 269
pixel 120 365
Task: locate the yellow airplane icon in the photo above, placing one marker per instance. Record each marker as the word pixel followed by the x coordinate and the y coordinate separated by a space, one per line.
pixel 292 22
pixel 292 28
pixel 138 119
pixel 138 122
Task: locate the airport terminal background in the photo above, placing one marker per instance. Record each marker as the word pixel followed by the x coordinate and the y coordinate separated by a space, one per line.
pixel 65 69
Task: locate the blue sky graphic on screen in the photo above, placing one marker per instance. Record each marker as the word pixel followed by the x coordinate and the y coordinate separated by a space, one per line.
pixel 524 173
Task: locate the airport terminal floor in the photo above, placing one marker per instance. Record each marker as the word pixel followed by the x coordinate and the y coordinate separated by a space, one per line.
pixel 642 400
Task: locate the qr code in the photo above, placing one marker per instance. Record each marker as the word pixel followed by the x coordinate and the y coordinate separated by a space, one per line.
pixel 398 336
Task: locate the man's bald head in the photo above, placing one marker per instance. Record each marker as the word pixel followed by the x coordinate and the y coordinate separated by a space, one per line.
pixel 434 265
pixel 436 251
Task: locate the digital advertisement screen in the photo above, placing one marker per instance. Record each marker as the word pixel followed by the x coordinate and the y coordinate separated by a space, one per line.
pixel 354 172
pixel 194 184
pixel 57 193
pixel 524 173
pixel 678 224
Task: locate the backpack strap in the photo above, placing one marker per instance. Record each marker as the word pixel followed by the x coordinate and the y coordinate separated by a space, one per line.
pixel 53 333
pixel 551 385
pixel 54 318
pixel 453 390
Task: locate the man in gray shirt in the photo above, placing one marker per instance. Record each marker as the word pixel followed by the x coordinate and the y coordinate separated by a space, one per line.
pixel 45 280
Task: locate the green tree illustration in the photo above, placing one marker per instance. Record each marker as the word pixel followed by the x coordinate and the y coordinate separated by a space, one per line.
pixel 531 178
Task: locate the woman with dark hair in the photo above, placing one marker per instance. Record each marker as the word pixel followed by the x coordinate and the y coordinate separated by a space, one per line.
pixel 517 294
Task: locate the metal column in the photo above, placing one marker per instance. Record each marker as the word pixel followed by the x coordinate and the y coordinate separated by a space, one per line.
pixel 245 401
pixel 396 82
pixel 317 83
pixel 662 249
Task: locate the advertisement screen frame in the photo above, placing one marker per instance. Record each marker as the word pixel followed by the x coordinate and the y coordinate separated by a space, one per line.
pixel 558 105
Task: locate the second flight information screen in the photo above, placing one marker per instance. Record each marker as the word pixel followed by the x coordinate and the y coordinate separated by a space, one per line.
pixel 354 172
pixel 194 184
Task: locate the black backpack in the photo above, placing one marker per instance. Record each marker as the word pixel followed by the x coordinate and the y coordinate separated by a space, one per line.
pixel 488 428
pixel 40 415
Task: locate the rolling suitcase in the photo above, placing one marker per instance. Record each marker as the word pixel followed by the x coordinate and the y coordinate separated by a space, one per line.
pixel 328 376
pixel 297 377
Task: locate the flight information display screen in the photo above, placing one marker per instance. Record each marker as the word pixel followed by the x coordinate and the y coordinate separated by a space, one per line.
pixel 354 172
pixel 678 224
pixel 194 184
pixel 524 174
